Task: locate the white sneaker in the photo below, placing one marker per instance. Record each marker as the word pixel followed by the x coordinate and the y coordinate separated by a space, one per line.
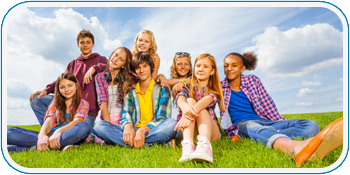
pixel 187 150
pixel 68 148
pixel 203 150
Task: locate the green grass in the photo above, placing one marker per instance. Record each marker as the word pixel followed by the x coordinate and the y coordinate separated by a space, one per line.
pixel 244 154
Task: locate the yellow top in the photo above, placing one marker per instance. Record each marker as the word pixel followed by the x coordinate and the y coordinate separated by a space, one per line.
pixel 146 106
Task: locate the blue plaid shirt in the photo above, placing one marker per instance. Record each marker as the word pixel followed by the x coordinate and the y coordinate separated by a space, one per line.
pixel 263 104
pixel 161 100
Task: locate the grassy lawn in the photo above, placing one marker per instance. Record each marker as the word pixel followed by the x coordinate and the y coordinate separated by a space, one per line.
pixel 244 154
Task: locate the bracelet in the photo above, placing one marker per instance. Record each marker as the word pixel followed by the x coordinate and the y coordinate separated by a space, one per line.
pixel 160 74
pixel 182 83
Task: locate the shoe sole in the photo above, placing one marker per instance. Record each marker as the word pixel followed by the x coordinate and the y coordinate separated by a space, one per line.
pixel 313 145
pixel 201 158
pixel 184 159
pixel 332 140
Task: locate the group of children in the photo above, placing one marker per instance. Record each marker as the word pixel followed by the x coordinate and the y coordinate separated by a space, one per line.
pixel 135 103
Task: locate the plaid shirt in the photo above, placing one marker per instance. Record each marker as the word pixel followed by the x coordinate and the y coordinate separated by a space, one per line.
pixel 82 112
pixel 263 104
pixel 161 100
pixel 211 107
pixel 102 88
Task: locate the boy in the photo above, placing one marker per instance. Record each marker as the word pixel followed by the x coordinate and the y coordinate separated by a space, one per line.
pixel 83 68
pixel 146 116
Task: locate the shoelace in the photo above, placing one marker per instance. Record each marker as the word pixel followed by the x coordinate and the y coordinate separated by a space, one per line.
pixel 204 145
pixel 187 147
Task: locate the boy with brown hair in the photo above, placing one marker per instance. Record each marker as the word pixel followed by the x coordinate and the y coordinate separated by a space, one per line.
pixel 84 68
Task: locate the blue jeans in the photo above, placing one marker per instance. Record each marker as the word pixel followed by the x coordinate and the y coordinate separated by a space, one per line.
pixel 113 134
pixel 39 107
pixel 22 139
pixel 268 131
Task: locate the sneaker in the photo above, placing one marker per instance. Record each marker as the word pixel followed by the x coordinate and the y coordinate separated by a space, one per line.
pixel 203 150
pixel 68 148
pixel 33 148
pixel 170 143
pixel 99 141
pixel 187 150
pixel 88 139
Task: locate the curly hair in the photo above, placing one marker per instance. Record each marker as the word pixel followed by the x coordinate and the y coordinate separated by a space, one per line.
pixel 249 59
pixel 125 74
pixel 173 73
pixel 152 50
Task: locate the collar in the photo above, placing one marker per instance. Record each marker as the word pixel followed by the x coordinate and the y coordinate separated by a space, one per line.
pixel 244 82
pixel 150 87
pixel 81 58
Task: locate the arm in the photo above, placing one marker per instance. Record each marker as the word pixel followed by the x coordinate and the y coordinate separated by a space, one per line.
pixel 204 103
pixel 80 115
pixel 102 98
pixel 43 139
pixel 105 112
pixel 185 108
pixel 139 140
pixel 156 67
pixel 173 82
pixel 99 67
pixel 56 136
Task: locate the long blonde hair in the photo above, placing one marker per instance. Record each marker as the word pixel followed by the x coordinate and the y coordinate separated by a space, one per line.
pixel 173 73
pixel 152 50
pixel 213 86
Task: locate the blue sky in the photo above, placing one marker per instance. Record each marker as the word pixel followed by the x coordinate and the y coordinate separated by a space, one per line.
pixel 300 49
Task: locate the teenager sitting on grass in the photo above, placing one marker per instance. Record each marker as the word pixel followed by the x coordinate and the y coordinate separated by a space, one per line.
pixel 64 121
pixel 197 103
pixel 83 68
pixel 146 116
pixel 250 112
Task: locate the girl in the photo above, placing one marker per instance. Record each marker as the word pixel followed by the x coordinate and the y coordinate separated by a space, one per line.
pixel 181 71
pixel 113 84
pixel 111 87
pixel 146 42
pixel 198 106
pixel 64 121
pixel 250 112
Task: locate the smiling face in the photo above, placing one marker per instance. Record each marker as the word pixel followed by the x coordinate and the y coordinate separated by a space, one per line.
pixel 143 43
pixel 118 59
pixel 143 71
pixel 203 69
pixel 85 44
pixel 182 67
pixel 233 67
pixel 67 88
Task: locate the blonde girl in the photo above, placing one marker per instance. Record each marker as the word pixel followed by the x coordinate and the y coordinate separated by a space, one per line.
pixel 146 42
pixel 197 103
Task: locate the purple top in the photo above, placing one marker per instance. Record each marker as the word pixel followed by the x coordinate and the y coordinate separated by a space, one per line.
pixel 79 67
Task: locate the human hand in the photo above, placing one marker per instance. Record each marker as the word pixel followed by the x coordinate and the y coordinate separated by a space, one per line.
pixel 55 140
pixel 129 135
pixel 139 140
pixel 178 87
pixel 43 142
pixel 183 123
pixel 41 93
pixel 88 75
pixel 162 80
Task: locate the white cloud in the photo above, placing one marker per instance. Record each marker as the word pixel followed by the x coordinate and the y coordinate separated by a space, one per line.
pixel 18 89
pixel 17 105
pixel 298 51
pixel 111 45
pixel 304 92
pixel 340 79
pixel 310 103
pixel 339 99
pixel 306 83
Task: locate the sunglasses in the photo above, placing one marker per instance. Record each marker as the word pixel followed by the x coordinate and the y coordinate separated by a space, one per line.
pixel 180 53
